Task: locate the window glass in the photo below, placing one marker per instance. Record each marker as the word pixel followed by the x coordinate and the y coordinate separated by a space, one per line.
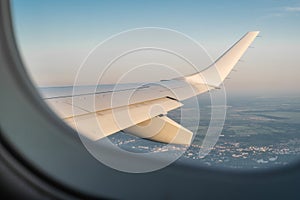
pixel 59 38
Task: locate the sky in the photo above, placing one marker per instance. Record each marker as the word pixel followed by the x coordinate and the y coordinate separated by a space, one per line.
pixel 55 36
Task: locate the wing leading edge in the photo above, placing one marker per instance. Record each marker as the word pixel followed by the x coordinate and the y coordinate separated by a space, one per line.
pixel 141 111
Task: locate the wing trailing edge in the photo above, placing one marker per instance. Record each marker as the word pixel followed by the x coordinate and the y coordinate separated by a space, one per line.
pixel 96 125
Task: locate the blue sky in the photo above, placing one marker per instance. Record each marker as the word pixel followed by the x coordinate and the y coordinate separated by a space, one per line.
pixel 52 33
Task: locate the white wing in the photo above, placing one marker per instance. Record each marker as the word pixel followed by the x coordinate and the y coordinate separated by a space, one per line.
pixel 141 110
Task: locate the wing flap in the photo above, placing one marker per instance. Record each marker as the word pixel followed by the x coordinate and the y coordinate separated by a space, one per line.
pixel 103 123
pixel 162 129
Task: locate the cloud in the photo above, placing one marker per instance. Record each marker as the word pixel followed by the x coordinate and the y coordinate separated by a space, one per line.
pixel 278 12
pixel 292 9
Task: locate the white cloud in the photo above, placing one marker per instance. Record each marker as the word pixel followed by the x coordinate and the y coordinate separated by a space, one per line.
pixel 292 9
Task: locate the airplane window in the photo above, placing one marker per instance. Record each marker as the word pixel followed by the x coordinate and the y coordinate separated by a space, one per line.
pixel 151 79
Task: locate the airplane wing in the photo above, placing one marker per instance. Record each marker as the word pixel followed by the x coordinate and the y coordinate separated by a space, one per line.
pixel 141 110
